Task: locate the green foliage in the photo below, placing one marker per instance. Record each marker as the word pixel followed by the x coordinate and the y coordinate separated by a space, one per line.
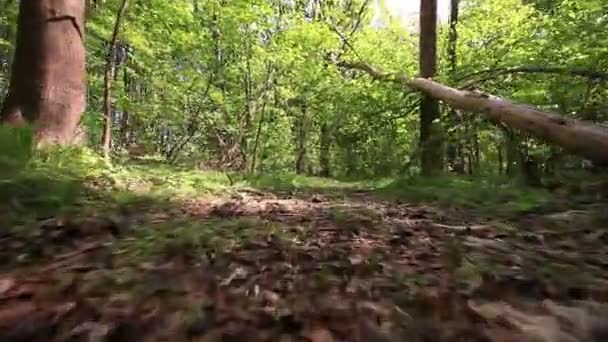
pixel 63 179
pixel 8 30
pixel 52 180
pixel 233 81
pixel 249 86
pixel 293 182
pixel 164 181
pixel 69 161
pixel 16 149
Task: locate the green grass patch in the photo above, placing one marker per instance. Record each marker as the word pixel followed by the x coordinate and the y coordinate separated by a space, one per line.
pixel 294 182
pixel 41 183
pixel 483 194
pixel 166 181
pixel 16 149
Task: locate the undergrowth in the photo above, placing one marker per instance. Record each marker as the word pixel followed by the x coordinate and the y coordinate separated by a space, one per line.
pixel 40 183
pixel 36 184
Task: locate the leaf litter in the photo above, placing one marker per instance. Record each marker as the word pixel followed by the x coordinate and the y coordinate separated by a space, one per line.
pixel 259 266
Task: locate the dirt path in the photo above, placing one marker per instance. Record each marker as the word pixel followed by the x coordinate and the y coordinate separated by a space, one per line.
pixel 257 266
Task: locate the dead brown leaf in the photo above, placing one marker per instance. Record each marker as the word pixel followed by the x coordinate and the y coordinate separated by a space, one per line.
pixel 318 335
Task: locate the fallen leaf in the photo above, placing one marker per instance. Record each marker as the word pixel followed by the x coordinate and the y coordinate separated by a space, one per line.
pixel 356 259
pixel 319 335
pixel 6 284
pixel 91 332
pixel 239 273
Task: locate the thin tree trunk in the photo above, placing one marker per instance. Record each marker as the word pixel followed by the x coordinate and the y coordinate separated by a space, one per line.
pixel 301 135
pixel 174 152
pixel 578 137
pixel 325 153
pixel 106 139
pixel 249 111
pixel 453 146
pixel 453 36
pixel 500 158
pixel 477 152
pixel 256 142
pixel 552 161
pixel 127 86
pixel 124 128
pixel 511 146
pixel 430 141
pixel 47 86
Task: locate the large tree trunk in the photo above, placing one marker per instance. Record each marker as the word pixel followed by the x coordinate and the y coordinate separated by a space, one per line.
pixel 47 86
pixel 579 137
pixel 430 133
pixel 106 138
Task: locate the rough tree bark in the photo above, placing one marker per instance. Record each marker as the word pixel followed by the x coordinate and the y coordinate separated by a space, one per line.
pixel 106 138
pixel 578 137
pixel 430 134
pixel 48 86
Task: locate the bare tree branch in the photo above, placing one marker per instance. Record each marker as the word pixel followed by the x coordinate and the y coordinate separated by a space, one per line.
pixel 489 74
pixel 377 74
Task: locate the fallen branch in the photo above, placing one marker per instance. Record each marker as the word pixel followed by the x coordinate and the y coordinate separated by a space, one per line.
pixel 582 138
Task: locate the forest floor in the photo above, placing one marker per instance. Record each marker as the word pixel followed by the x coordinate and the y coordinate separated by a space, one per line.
pixel 290 263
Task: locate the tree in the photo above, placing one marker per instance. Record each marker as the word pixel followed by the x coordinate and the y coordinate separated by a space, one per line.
pixel 197 86
pixel 430 135
pixel 47 85
pixel 106 139
pixel 325 150
pixel 454 154
pixel 8 15
pixel 579 137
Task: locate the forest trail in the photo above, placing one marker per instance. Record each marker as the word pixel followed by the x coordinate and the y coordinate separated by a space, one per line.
pixel 304 170
pixel 260 266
